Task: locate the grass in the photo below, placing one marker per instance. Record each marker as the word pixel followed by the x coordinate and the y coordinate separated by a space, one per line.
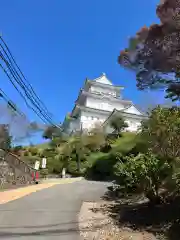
pixel 42 145
pixel 125 143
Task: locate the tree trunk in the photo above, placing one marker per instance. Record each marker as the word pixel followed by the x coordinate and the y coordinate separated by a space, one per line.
pixel 153 198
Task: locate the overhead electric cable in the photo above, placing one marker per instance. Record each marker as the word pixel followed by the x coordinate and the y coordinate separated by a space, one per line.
pixel 11 103
pixel 21 71
pixel 28 90
pixel 23 96
pixel 13 75
pixel 19 79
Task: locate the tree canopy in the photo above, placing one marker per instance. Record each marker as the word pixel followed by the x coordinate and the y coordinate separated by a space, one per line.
pixel 154 53
pixel 162 131
pixel 5 138
pixel 51 132
pixel 118 124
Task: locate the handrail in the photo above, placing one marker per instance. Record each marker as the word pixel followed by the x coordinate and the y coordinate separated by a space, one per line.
pixel 22 171
pixel 12 154
pixel 15 161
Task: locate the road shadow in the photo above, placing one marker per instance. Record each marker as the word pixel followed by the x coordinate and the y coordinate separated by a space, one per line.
pixel 59 229
pixel 135 212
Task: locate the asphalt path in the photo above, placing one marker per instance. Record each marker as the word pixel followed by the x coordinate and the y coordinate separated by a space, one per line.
pixel 48 214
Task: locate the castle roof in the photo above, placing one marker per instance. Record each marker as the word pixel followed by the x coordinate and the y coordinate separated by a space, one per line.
pixel 102 81
pixel 130 112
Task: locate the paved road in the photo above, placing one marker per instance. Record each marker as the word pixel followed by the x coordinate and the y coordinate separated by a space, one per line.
pixel 48 214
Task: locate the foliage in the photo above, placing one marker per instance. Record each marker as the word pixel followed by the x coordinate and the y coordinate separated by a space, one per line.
pixel 102 167
pixel 138 145
pixel 5 138
pixel 118 124
pixel 26 153
pixel 51 132
pixel 162 131
pixel 154 52
pixel 74 171
pixel 33 151
pixel 125 143
pixel 48 152
pixel 95 139
pixel 75 145
pixel 145 173
pixel 42 145
pixel 44 172
pixel 54 165
pixel 154 165
pixel 56 142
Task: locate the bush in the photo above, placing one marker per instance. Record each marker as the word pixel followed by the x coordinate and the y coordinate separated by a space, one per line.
pixel 102 167
pixel 140 146
pixel 26 153
pixel 162 131
pixel 44 172
pixel 33 151
pixel 125 143
pixel 144 173
pixel 54 165
pixel 49 152
pixel 72 168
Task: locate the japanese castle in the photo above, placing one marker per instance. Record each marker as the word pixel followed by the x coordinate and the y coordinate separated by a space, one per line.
pixel 97 103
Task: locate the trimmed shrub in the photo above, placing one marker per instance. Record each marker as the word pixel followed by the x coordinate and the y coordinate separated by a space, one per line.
pixel 102 168
pixel 125 143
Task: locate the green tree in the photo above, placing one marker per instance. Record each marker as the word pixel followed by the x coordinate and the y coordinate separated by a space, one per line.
pixel 162 131
pixel 33 151
pixel 52 132
pixel 58 140
pixel 5 138
pixel 95 139
pixel 154 52
pixel 75 145
pixel 118 124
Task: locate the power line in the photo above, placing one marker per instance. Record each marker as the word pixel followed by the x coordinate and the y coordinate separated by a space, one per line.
pixel 28 90
pixel 14 75
pixel 13 61
pixel 11 103
pixel 21 94
pixel 25 120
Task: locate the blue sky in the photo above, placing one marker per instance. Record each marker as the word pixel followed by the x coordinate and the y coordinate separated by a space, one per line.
pixel 59 43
